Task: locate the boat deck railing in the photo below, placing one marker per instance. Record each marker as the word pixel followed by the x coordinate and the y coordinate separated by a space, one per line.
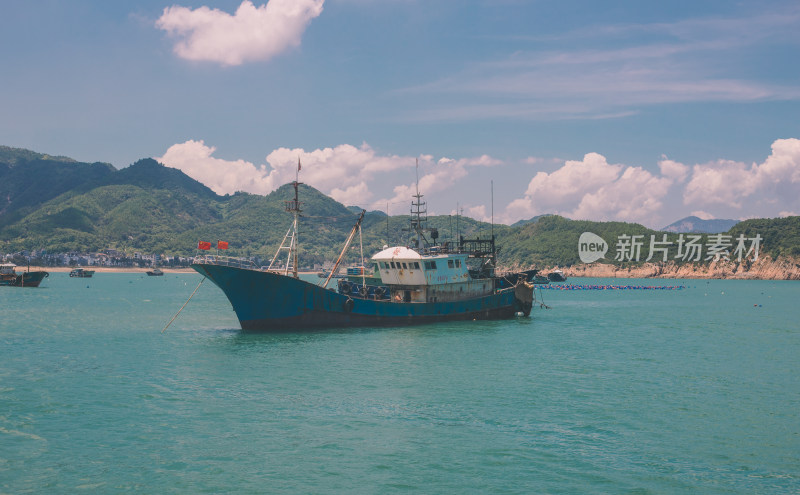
pixel 211 259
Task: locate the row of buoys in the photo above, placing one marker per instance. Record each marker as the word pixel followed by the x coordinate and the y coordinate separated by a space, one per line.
pixel 611 287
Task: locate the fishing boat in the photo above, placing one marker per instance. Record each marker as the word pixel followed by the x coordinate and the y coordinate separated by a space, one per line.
pixel 421 284
pixel 155 272
pixel 81 273
pixel 556 276
pixel 9 276
pixel 324 274
pixel 540 280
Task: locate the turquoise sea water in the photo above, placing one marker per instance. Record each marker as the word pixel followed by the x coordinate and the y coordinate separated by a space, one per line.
pixel 691 391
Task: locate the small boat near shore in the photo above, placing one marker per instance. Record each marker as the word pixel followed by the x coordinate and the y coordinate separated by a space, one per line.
pixel 9 276
pixel 156 272
pixel 328 274
pixel 556 276
pixel 81 273
pixel 540 280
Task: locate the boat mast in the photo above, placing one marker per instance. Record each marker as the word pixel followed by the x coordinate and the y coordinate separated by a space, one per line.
pixel 417 212
pixel 292 206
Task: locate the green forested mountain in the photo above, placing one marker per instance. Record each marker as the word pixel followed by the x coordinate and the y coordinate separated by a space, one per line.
pixel 553 240
pixel 151 208
pixel 28 179
pixel 781 236
pixel 60 205
pixel 147 207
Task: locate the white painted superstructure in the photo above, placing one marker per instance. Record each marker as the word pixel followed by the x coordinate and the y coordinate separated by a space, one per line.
pixel 431 277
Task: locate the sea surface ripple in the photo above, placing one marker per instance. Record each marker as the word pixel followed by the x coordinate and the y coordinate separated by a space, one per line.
pixel 682 391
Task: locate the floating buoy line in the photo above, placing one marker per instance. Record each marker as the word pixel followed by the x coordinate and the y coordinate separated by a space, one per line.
pixel 610 287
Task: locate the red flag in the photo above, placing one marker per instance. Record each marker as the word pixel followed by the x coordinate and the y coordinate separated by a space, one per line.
pixel 298 164
pixel 204 245
pixel 222 244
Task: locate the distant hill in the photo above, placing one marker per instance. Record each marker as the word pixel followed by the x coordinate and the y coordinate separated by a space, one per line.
pixel 700 226
pixel 151 208
pixel 148 173
pixel 357 211
pixel 60 205
pixel 29 179
pixel 553 240
pixel 780 236
pixel 535 219
pixel 140 207
pixel 13 156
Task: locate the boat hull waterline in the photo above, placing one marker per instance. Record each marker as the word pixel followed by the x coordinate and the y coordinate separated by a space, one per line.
pixel 267 301
pixel 25 279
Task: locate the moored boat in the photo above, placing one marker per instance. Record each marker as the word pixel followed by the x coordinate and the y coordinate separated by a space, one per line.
pixel 540 280
pixel 9 277
pixel 556 276
pixel 81 273
pixel 155 272
pixel 426 283
pixel 328 274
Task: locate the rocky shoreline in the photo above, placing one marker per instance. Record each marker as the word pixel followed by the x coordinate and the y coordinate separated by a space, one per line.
pixel 763 269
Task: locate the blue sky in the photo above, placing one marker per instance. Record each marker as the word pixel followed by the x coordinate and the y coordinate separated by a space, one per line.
pixel 635 111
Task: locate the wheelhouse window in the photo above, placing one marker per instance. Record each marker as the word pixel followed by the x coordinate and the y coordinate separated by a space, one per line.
pixel 450 264
pixel 416 265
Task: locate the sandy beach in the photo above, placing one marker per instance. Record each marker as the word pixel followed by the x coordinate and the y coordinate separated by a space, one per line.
pixel 101 269
pixel 764 269
pixel 109 269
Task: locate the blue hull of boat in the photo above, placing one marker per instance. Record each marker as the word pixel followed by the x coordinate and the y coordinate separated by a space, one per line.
pixel 25 279
pixel 265 301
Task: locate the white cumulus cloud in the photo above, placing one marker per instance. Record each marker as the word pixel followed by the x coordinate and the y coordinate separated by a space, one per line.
pixel 672 169
pixel 342 172
pixel 345 172
pixel 636 196
pixel 250 34
pixel 440 175
pixel 222 176
pixel 721 182
pixel 593 189
pixel 561 190
pixel 734 184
